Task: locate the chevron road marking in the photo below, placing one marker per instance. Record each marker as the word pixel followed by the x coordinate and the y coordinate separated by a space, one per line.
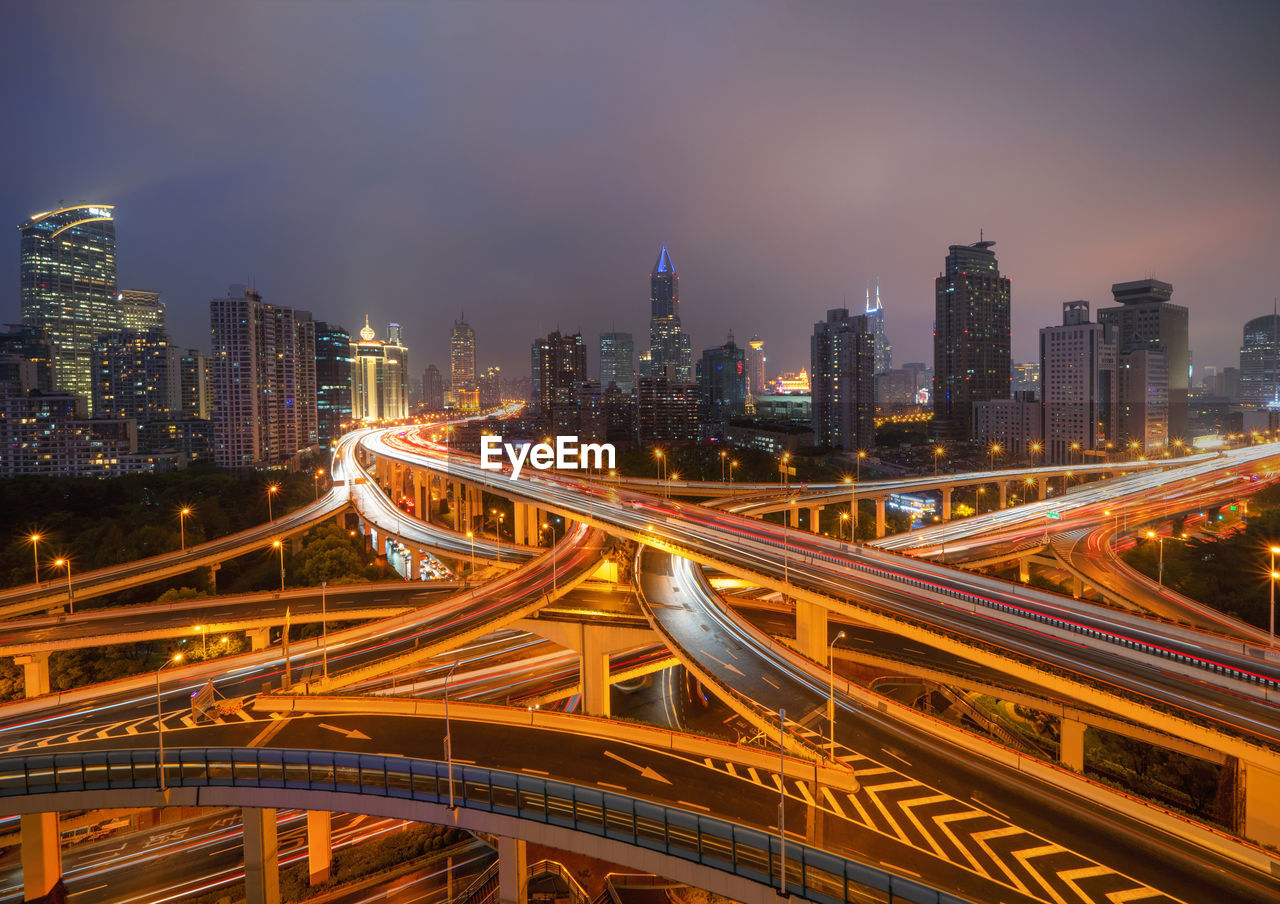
pixel 1025 856
pixel 863 815
pixel 831 800
pixel 908 808
pixel 873 792
pixel 981 840
pixel 1071 877
pixel 944 823
pixel 1132 894
pixel 804 792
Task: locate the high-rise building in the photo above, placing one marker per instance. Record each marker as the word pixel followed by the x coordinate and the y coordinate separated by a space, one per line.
pixel 1012 424
pixel 137 374
pixel 971 337
pixel 264 380
pixel 842 380
pixel 1260 362
pixel 140 310
pixel 462 364
pixel 68 286
pixel 1080 385
pixel 558 365
pixel 334 364
pixel 433 389
pixel 722 385
pixel 1026 377
pixel 1145 320
pixel 489 387
pixel 379 376
pixel 618 361
pixel 666 411
pixel 196 384
pixel 756 367
pixel 875 323
pixel 1143 409
pixel 668 343
pixel 26 362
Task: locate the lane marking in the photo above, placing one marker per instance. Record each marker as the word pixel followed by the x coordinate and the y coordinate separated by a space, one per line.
pixel 273 728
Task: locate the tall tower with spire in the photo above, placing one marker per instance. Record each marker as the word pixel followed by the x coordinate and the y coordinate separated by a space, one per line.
pixel 875 321
pixel 668 342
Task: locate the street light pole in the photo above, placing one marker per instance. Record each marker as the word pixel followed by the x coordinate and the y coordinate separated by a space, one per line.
pixel 66 563
pixel 280 546
pixel 831 712
pixel 177 657
pixel 448 734
pixel 1272 629
pixel 472 537
pixel 182 525
pixel 35 555
pixel 271 492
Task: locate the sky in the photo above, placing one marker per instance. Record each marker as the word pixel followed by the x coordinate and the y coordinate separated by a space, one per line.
pixel 524 162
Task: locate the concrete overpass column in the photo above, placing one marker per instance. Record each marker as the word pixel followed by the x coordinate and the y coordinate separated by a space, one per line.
pixel 1004 493
pixel 594 669
pixel 513 871
pixel 533 525
pixel 1260 792
pixel 41 855
pixel 815 517
pixel 793 520
pixel 259 638
pixel 35 673
pixel 455 503
pixel 518 518
pixel 811 631
pixel 881 528
pixel 213 578
pixel 1042 487
pixel 1071 744
pixel 1024 569
pixel 295 544
pixel 319 845
pixel 415 560
pixel 261 856
pixel 946 503
pixel 476 509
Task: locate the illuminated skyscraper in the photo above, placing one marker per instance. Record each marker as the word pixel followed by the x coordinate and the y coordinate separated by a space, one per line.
pixel 333 380
pixel 842 362
pixel 722 385
pixel 433 389
pixel 379 376
pixel 668 343
pixel 68 286
pixel 137 374
pixel 1145 321
pixel 756 363
pixel 140 310
pixel 875 322
pixel 558 365
pixel 1080 385
pixel 462 364
pixel 618 361
pixel 1260 362
pixel 971 338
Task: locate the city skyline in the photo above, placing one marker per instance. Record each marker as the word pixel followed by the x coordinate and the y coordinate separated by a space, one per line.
pixel 839 196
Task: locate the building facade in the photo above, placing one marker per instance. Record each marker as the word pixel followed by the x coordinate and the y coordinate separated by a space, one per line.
pixel 757 368
pixel 670 353
pixel 1260 362
pixel 489 387
pixel 1014 425
pixel 971 338
pixel 875 323
pixel 264 380
pixel 842 380
pixel 137 374
pixel 558 363
pixel 379 376
pixel 722 385
pixel 618 361
pixel 433 389
pixel 334 363
pixel 68 287
pixel 140 310
pixel 462 365
pixel 666 411
pixel 1080 386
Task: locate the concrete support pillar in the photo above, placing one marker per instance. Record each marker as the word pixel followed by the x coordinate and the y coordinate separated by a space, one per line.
pixel 415 560
pixel 259 638
pixel 946 503
pixel 1024 569
pixel 35 673
pixel 881 526
pixel 513 871
pixel 1071 744
pixel 519 519
pixel 41 855
pixel 261 856
pixel 295 544
pixel 793 520
pixel 319 845
pixel 1042 487
pixel 811 631
pixel 533 525
pixel 594 667
pixel 455 503
pixel 213 578
pixel 815 517
pixel 1077 587
pixel 476 512
pixel 1004 493
pixel 1261 790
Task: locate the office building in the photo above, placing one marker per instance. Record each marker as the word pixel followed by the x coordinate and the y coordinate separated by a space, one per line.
pixel 971 333
pixel 195 383
pixel 1143 408
pixel 591 407
pixel 1026 377
pixel 558 365
pixel 1014 425
pixel 896 388
pixel 757 368
pixel 489 388
pixel 191 438
pixel 1080 386
pixel 67 279
pixel 666 411
pixel 1260 362
pixel 26 362
pixel 842 364
pixel 264 380
pixel 334 366
pixel 137 374
pixel 462 365
pixel 433 389
pixel 875 324
pixel 670 353
pixel 722 385
pixel 140 310
pixel 379 376
pixel 1146 320
pixel 618 361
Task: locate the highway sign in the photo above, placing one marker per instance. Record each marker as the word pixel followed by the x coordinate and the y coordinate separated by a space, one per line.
pixel 1055 515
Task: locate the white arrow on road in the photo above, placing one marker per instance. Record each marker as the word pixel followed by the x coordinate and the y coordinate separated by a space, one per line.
pixel 645 771
pixel 353 734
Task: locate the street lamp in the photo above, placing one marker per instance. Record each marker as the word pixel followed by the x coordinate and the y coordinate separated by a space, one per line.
pixel 732 465
pixel 1075 447
pixel 280 546
pixel 315 480
pixel 271 492
pixel 844 516
pixel 1274 575
pixel 660 464
pixel 784 472
pixel 182 525
pixel 547 527
pixel 861 456
pixel 472 537
pixel 723 461
pixel 938 452
pixel 66 563
pixel 995 450
pixel 177 657
pixel 204 641
pixel 853 508
pixel 35 554
pixel 831 665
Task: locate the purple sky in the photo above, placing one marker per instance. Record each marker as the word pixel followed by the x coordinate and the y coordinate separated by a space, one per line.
pixel 525 161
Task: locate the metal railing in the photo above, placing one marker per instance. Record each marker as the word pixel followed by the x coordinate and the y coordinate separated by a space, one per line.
pixel 815 875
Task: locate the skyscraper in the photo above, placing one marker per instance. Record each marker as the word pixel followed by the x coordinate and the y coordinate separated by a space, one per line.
pixel 462 364
pixel 1079 385
pixel 558 365
pixel 379 376
pixel 668 343
pixel 489 387
pixel 68 286
pixel 722 385
pixel 140 310
pixel 971 338
pixel 1146 321
pixel 1260 362
pixel 333 380
pixel 756 373
pixel 842 380
pixel 264 380
pixel 618 361
pixel 196 385
pixel 875 321
pixel 433 389
pixel 137 374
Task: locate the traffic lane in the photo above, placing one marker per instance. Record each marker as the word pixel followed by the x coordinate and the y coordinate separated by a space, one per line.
pixel 431 883
pixel 674 779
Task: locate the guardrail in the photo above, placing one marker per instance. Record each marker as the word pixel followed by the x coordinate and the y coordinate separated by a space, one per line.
pixel 815 875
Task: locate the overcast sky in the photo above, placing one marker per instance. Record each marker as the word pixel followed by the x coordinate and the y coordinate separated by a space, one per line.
pixel 525 161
